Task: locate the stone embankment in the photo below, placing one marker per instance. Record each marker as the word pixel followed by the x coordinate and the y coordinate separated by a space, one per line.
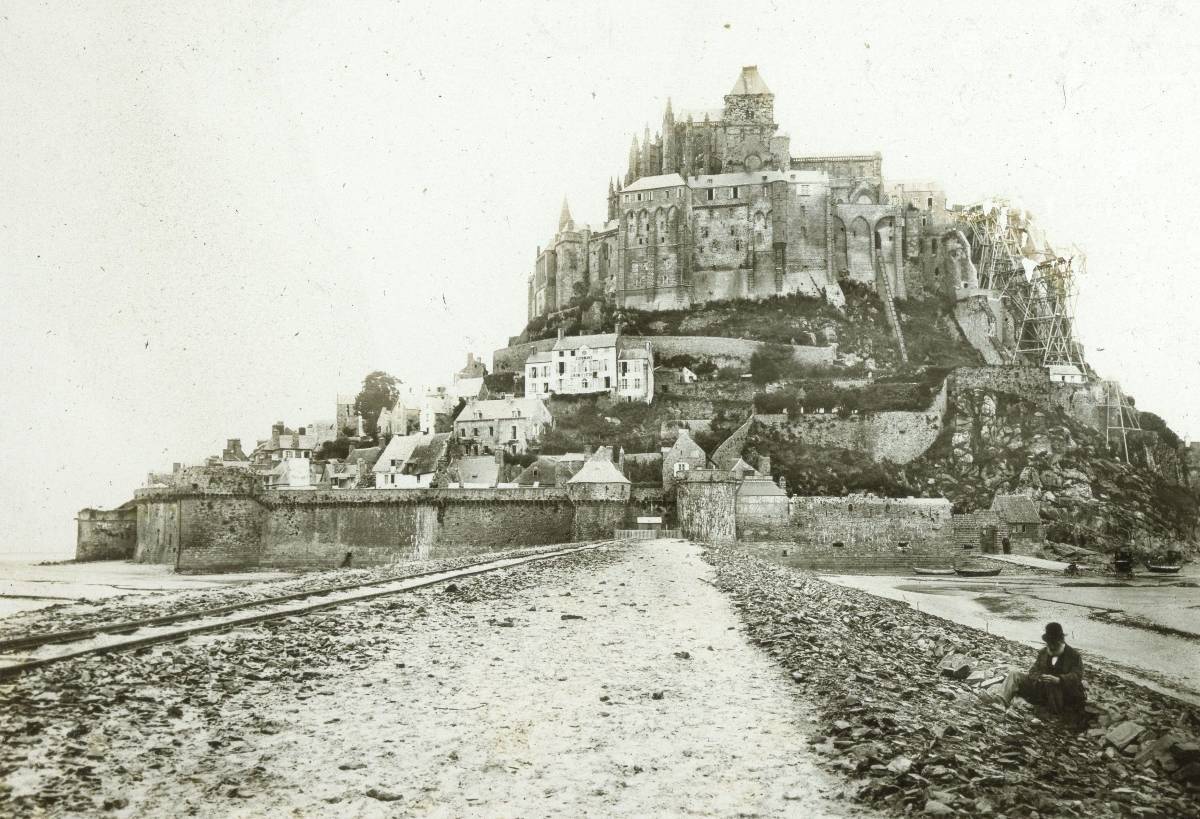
pixel 611 682
pixel 145 606
pixel 902 715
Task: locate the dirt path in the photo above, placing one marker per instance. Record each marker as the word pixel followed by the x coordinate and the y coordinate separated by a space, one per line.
pixel 454 713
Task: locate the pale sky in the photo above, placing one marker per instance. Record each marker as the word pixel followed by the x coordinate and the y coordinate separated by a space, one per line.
pixel 217 215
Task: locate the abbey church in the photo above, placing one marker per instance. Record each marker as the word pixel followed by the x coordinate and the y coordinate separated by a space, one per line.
pixel 717 207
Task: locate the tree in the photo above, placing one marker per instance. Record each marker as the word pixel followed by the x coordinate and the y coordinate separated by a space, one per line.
pixel 770 363
pixel 379 391
pixel 338 448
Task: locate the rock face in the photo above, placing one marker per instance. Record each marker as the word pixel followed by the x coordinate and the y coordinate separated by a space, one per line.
pixel 1088 496
pixel 917 739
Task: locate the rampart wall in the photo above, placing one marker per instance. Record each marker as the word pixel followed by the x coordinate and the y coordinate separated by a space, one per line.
pixel 105 534
pixel 725 352
pixel 856 533
pixel 223 531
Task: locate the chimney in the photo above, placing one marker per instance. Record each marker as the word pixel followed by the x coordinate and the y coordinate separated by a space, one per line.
pixel 560 333
pixel 175 467
pixel 764 465
pixel 587 450
pixel 617 328
pixel 500 456
pixel 303 430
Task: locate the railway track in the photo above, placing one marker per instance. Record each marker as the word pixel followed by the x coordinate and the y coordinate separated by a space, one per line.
pixel 21 654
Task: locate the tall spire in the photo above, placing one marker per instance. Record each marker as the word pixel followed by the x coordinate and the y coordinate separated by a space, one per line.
pixel 565 222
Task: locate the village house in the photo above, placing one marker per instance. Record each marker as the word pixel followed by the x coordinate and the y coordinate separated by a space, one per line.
pixel 290 473
pixel 1020 524
pixel 552 470
pixel 350 473
pixel 285 443
pixel 685 454
pixel 508 423
pixel 592 364
pixel 410 461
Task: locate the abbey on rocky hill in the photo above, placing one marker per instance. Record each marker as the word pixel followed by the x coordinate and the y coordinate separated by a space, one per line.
pixel 716 207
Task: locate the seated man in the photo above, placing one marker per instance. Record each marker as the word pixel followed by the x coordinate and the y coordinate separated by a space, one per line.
pixel 1055 680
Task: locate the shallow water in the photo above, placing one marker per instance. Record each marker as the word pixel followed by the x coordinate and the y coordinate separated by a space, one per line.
pixel 1112 623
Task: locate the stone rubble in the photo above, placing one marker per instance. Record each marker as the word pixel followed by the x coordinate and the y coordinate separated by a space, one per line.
pixel 142 606
pixel 95 734
pixel 902 714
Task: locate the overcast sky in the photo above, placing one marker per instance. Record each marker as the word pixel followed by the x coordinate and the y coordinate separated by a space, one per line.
pixel 217 215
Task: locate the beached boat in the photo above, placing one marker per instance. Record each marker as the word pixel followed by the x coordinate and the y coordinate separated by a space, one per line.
pixel 919 570
pixel 967 571
pixel 1163 568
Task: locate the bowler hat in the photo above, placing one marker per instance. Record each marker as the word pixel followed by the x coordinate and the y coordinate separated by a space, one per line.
pixel 1054 633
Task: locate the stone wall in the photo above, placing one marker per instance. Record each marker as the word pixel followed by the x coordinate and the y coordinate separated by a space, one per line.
pixel 759 515
pixel 1030 383
pixel 895 436
pixel 157 527
pixel 223 531
pixel 706 505
pixel 106 534
pixel 860 532
pixel 725 352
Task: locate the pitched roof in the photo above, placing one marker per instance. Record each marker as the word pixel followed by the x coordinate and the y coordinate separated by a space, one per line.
pixel 719 180
pixel 369 455
pixel 539 357
pixel 648 183
pixel 425 457
pixel 598 472
pixel 1016 509
pixel 399 448
pixel 749 82
pixel 478 469
pixel 495 408
pixel 760 487
pixel 743 468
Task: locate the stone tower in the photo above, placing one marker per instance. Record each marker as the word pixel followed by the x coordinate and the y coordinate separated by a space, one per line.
pixel 750 101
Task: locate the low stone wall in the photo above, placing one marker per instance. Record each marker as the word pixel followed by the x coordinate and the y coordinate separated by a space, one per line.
pixel 106 534
pixel 853 532
pixel 725 352
pixel 1031 383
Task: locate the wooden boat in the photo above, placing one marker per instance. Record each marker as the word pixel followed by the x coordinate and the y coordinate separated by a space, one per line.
pixel 919 570
pixel 967 571
pixel 1170 563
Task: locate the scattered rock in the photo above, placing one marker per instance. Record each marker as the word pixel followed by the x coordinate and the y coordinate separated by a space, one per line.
pixel 384 795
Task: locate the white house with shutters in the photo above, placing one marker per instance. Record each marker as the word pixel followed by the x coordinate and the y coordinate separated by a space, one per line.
pixel 592 364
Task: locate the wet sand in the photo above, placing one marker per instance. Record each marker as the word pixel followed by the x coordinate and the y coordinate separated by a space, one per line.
pixel 1114 624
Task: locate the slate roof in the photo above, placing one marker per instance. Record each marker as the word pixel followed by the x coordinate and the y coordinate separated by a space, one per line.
pixel 425 457
pixel 369 455
pixel 749 82
pixel 1016 509
pixel 649 183
pixel 478 469
pixel 753 487
pixel 598 472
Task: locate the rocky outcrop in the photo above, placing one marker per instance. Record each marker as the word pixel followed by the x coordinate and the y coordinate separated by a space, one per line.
pixel 1088 496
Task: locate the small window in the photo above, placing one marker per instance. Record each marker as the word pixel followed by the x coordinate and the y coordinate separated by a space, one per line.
pixel 803 189
pixel 712 194
pixel 929 203
pixel 735 192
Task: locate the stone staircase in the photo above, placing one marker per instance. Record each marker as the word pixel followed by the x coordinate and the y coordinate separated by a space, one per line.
pixel 884 288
